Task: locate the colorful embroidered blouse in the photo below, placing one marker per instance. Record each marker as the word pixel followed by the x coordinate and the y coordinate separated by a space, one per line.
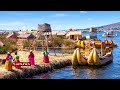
pixel 16 57
pixel 45 53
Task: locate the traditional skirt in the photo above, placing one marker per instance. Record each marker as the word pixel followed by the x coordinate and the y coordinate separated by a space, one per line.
pixel 31 60
pixel 17 66
pixel 45 59
pixel 8 65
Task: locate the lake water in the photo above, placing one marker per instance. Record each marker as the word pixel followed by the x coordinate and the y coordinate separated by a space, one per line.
pixel 110 71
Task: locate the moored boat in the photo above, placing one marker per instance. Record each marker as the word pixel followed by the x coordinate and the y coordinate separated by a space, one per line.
pixel 110 44
pixel 99 60
pixel 109 34
pixel 93 59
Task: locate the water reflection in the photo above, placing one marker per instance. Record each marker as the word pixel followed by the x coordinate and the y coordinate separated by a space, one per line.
pixel 76 71
pixel 91 73
pixel 83 72
pixel 45 76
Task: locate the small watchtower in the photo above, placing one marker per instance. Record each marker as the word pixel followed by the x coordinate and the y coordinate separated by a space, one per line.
pixel 45 31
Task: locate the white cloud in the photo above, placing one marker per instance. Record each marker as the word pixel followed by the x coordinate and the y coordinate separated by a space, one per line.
pixel 12 23
pixel 32 27
pixel 58 27
pixel 19 13
pixel 89 19
pixel 59 15
pixel 35 19
pixel 9 29
pixel 90 25
pixel 83 11
pixel 24 27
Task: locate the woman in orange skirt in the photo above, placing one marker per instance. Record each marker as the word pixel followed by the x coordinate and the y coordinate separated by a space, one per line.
pixel 8 63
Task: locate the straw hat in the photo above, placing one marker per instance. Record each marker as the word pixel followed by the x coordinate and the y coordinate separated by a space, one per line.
pixel 30 50
pixel 8 52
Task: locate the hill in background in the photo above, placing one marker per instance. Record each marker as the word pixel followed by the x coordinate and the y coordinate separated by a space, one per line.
pixel 114 26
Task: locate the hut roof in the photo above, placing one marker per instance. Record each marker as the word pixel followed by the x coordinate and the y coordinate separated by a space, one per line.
pixel 58 33
pixel 26 35
pixel 74 33
pixel 12 33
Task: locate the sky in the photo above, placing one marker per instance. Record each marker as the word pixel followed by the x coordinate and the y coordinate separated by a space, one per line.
pixel 59 20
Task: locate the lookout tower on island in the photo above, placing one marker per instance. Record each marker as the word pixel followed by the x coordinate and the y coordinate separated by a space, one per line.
pixel 44 31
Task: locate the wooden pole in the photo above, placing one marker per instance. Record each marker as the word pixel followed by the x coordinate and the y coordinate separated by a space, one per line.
pixel 42 42
pixel 47 41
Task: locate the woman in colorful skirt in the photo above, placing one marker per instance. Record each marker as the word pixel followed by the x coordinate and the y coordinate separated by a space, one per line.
pixel 16 60
pixel 31 58
pixel 45 57
pixel 8 63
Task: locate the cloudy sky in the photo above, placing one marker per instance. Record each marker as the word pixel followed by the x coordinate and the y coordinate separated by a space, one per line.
pixel 59 20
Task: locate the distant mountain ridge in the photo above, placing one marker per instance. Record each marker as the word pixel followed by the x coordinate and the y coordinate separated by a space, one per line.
pixel 113 26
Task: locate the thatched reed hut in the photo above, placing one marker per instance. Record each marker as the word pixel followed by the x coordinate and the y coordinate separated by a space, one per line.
pixel 74 35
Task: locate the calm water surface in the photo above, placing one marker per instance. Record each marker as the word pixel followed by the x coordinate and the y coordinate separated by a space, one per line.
pixel 110 71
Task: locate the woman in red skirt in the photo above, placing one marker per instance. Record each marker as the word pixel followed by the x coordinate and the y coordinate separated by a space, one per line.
pixel 31 58
pixel 16 60
pixel 45 57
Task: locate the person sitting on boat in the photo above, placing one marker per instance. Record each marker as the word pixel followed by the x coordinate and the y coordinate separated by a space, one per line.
pixel 31 58
pixel 8 63
pixel 111 42
pixel 107 50
pixel 45 57
pixel 106 41
pixel 16 60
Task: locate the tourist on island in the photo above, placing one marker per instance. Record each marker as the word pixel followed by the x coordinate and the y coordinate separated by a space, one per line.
pixel 45 57
pixel 16 60
pixel 31 58
pixel 8 63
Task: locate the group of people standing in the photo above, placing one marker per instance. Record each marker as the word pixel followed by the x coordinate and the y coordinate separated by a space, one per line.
pixel 15 59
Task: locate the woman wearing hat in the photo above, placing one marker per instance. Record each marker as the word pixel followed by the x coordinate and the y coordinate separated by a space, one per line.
pixel 45 57
pixel 31 58
pixel 8 63
pixel 16 60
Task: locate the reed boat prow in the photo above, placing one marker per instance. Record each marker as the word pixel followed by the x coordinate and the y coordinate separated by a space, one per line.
pixel 106 58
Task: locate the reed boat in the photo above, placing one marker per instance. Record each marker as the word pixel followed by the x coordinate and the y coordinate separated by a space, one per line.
pixel 98 45
pixel 109 34
pixel 110 44
pixel 93 58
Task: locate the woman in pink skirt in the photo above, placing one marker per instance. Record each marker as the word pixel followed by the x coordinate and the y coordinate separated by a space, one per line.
pixel 31 58
pixel 45 57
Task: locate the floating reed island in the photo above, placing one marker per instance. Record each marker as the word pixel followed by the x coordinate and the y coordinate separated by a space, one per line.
pixel 56 62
